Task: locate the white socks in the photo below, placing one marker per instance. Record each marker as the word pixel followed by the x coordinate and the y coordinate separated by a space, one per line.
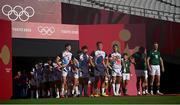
pixel 117 88
pixel 37 94
pixel 114 89
pixel 62 91
pixel 77 90
pixel 103 90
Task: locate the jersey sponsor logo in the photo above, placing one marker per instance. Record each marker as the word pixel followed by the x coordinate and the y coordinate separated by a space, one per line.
pixel 18 12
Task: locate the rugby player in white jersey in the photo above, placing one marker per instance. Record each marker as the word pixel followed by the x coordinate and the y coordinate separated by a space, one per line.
pixel 57 70
pixel 75 76
pixel 115 59
pixel 66 58
pixel 99 57
pixel 84 61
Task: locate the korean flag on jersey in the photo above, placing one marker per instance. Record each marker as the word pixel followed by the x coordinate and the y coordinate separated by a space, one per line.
pixel 66 57
pixel 117 63
pixel 84 60
pixel 99 57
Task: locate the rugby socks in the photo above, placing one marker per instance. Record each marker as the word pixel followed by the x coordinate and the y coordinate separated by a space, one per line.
pixel 62 91
pixel 77 90
pixel 86 90
pixel 32 93
pixel 158 88
pixel 81 89
pixel 146 89
pixel 114 89
pixel 117 88
pixel 57 93
pixel 72 91
pixel 143 90
pixel 37 94
pixel 103 90
pixel 151 89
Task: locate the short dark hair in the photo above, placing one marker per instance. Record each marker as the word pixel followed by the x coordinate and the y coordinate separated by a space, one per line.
pixel 155 42
pixel 84 47
pixel 141 48
pixel 99 42
pixel 67 44
pixel 125 54
pixel 115 45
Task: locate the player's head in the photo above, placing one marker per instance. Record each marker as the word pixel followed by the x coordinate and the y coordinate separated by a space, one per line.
pixel 68 47
pixel 125 56
pixel 99 45
pixel 58 58
pixel 115 48
pixel 19 73
pixel 84 49
pixel 49 61
pixel 156 46
pixel 141 49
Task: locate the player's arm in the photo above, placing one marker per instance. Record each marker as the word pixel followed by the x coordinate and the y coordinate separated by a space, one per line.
pixel 132 60
pixel 162 64
pixel 91 59
pixel 148 63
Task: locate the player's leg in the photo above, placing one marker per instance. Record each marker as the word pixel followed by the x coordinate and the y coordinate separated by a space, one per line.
pixel 58 85
pixel 37 90
pixel 86 86
pixel 75 85
pixel 114 83
pixel 102 78
pixel 118 84
pixel 152 76
pixel 126 78
pixel 63 84
pixel 97 78
pixel 138 76
pixel 146 82
pixel 157 74
pixel 92 84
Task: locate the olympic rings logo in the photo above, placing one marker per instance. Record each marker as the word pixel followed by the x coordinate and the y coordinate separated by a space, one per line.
pixel 46 30
pixel 18 12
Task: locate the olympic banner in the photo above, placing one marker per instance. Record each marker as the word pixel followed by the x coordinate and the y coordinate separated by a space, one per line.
pixel 31 10
pixel 45 31
pixel 125 35
pixel 5 60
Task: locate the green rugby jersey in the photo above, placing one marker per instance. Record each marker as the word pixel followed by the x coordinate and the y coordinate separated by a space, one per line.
pixel 154 57
pixel 127 65
pixel 140 63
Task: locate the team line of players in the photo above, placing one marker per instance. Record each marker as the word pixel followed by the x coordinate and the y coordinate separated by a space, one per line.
pixel 70 76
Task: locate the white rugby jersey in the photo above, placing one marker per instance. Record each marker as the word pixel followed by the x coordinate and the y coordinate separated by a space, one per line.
pixel 117 63
pixel 66 57
pixel 99 56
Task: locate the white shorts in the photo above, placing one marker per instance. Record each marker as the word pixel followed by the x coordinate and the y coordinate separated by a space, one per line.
pixel 126 76
pixel 116 72
pixel 91 80
pixel 140 73
pixel 155 70
pixel 65 71
pixel 76 74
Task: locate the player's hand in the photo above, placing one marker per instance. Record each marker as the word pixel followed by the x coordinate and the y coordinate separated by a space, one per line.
pixel 163 69
pixel 150 69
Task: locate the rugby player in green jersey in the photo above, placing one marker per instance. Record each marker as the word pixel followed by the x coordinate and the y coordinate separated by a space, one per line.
pixel 154 62
pixel 141 71
pixel 126 72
